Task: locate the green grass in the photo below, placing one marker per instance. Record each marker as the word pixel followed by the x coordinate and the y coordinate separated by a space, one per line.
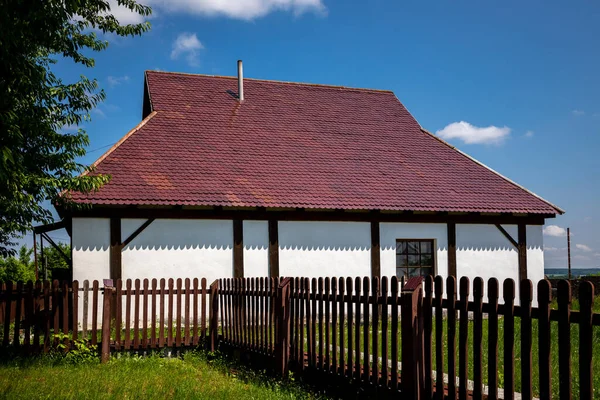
pixel 193 377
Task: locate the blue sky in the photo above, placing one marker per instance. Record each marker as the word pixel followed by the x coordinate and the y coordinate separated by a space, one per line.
pixel 525 71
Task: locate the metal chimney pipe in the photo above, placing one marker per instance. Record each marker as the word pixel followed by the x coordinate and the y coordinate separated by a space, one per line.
pixel 240 81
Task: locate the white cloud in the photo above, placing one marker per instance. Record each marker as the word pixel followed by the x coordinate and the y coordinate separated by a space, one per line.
pixel 99 112
pixel 124 15
pixel 471 134
pixel 238 9
pixel 580 257
pixel 554 249
pixel 583 247
pixel 554 230
pixel 596 254
pixel 529 134
pixel 187 44
pixel 116 80
pixel 578 113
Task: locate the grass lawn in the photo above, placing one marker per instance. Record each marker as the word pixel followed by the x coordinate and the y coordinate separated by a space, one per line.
pixel 134 377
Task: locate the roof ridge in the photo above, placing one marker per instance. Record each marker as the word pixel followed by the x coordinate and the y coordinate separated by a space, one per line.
pixel 560 210
pixel 274 81
pixel 120 142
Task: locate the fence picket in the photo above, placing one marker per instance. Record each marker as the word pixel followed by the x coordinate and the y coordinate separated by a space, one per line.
pixel 119 313
pixel 55 310
pixel 161 318
pixel 493 339
pixel 47 314
pixel 84 326
pixel 350 364
pixel 357 368
pixel 586 337
pixel 17 324
pixel 334 328
pixel 136 315
pixel 203 296
pixel 526 295
pixel 170 313
pixel 477 338
pixel 327 361
pixel 320 325
pixel 186 321
pixel 94 313
pixel 145 314
pixel 179 311
pixel 451 296
pixel 463 338
pixel 313 326
pixel 439 337
pixel 375 331
pixel 544 338
pixel 427 335
pixel 195 311
pixel 37 316
pixel 384 333
pixel 366 343
pixel 341 295
pixel 65 314
pixel 153 343
pixel 509 338
pixel 564 338
pixel 27 322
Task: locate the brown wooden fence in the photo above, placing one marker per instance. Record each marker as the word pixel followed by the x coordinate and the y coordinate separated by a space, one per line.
pixel 420 339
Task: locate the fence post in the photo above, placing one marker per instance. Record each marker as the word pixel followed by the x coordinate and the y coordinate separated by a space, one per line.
pixel 282 327
pixel 412 379
pixel 106 314
pixel 214 315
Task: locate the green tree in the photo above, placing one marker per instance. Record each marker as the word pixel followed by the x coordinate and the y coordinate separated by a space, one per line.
pixel 38 159
pixel 22 267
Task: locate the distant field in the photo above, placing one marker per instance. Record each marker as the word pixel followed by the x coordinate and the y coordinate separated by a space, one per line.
pixel 575 272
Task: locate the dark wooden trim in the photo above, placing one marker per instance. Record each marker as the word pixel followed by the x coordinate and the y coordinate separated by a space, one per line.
pixel 64 256
pixel 375 250
pixel 115 248
pixel 137 232
pixel 273 248
pixel 507 235
pixel 307 215
pixel 522 248
pixel 238 248
pixel 50 227
pixel 451 249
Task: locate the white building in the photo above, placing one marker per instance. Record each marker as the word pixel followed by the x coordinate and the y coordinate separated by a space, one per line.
pixel 294 179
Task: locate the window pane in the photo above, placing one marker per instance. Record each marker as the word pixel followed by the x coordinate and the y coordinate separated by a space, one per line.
pixel 426 260
pixel 401 247
pixel 426 247
pixel 401 261
pixel 412 272
pixel 413 247
pixel 413 261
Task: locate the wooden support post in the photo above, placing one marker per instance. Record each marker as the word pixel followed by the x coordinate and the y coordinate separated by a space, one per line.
pixel 375 250
pixel 214 315
pixel 115 248
pixel 412 380
pixel 451 249
pixel 108 294
pixel 522 241
pixel 273 248
pixel 238 248
pixel 282 327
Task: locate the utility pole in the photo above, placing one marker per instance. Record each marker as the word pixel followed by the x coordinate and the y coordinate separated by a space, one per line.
pixel 569 250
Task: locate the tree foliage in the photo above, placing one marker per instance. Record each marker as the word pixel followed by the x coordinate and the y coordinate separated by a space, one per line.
pixel 22 266
pixel 38 158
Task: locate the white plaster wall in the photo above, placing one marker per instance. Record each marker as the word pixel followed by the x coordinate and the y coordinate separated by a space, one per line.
pixel 256 248
pixel 91 249
pixel 389 232
pixel 91 257
pixel 175 248
pixel 482 250
pixel 320 249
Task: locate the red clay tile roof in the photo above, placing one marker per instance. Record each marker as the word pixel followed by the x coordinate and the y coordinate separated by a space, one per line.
pixel 294 145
